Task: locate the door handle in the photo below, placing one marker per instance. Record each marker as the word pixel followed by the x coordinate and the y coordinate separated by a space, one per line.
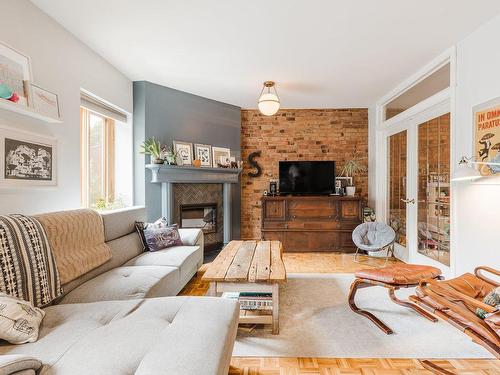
pixel 412 201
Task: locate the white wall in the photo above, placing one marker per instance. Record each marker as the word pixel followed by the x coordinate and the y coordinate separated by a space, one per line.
pixel 61 64
pixel 372 152
pixel 477 206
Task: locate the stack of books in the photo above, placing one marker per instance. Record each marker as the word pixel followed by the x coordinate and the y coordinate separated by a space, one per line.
pixel 251 301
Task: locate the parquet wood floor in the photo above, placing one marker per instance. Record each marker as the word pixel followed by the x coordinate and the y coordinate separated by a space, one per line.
pixel 352 366
pixel 337 263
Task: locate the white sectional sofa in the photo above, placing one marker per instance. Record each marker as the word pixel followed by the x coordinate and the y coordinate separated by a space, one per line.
pixel 123 318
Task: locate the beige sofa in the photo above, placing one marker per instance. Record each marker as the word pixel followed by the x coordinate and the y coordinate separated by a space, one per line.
pixel 119 318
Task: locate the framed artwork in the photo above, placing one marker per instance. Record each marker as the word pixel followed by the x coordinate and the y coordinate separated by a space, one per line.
pixel 27 159
pixel 184 151
pixel 43 101
pixel 204 154
pixel 15 69
pixel 220 155
pixel 486 119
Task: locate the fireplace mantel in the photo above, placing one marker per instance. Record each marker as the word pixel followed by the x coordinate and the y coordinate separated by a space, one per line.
pixel 166 175
pixel 185 175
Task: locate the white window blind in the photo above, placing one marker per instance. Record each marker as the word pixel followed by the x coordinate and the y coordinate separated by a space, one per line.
pixel 96 105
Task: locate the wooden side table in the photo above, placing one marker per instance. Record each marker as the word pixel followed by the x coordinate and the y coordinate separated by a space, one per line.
pixel 249 266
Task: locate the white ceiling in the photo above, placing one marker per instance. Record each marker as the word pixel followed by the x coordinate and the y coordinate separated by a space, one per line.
pixel 321 53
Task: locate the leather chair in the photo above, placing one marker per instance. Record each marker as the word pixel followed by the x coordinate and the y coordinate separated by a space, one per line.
pixel 456 301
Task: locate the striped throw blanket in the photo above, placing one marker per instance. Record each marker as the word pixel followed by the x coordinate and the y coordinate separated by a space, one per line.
pixel 28 267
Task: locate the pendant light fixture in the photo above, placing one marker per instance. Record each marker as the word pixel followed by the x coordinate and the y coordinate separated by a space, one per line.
pixel 269 103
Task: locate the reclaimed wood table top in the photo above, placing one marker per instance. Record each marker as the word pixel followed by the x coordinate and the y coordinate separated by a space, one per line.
pixel 248 261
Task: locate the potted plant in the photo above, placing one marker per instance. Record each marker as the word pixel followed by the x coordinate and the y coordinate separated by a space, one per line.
pixel 352 167
pixel 152 147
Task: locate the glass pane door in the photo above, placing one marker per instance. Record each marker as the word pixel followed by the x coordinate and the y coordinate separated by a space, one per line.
pixel 433 227
pixel 397 185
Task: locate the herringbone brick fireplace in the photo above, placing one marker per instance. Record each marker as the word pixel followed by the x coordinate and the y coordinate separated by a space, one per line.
pixel 203 194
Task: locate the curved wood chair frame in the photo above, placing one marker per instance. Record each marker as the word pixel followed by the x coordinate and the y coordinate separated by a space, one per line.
pixel 360 283
pixel 456 302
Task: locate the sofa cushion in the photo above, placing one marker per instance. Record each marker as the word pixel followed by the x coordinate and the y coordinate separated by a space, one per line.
pixel 399 274
pixel 123 249
pixel 119 223
pixel 157 336
pixel 186 258
pixel 123 283
pixel 19 320
pixel 162 238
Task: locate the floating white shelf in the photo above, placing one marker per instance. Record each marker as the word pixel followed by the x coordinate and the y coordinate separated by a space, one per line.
pixel 7 106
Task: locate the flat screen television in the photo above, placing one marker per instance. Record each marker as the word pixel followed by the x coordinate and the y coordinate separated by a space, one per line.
pixel 307 177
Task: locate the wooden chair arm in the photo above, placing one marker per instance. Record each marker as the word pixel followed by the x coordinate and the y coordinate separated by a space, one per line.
pixel 479 274
pixel 437 287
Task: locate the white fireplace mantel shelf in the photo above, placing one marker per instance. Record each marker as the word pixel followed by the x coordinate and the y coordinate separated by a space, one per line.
pixel 174 174
pixel 167 175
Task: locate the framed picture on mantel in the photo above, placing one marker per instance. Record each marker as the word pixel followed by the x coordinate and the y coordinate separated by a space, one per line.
pixel 184 152
pixel 221 155
pixel 204 154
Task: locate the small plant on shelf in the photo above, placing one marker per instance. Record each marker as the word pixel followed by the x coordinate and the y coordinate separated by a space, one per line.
pixel 152 147
pixel 352 167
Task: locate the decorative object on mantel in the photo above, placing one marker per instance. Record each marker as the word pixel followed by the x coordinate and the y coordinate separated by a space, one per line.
pixel 253 164
pixel 352 167
pixel 168 154
pixel 221 157
pixel 269 103
pixel 197 163
pixel 152 147
pixel 204 154
pixel 184 151
pixel 15 69
pixel 27 159
pixel 487 137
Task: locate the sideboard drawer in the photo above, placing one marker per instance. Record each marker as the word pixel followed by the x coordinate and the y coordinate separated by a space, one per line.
pixel 312 209
pixel 311 241
pixel 350 210
pixel 274 210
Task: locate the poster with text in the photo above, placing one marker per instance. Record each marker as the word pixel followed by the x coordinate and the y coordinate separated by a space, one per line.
pixel 487 137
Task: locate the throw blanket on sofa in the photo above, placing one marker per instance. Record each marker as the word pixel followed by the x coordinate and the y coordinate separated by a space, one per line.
pixel 77 240
pixel 28 267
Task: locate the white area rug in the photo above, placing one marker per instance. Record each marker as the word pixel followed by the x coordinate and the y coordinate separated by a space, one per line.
pixel 315 321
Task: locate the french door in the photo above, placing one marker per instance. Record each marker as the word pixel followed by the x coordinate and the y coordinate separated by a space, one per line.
pixel 417 189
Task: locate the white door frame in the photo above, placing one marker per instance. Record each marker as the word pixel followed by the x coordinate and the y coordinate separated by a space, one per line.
pixel 432 107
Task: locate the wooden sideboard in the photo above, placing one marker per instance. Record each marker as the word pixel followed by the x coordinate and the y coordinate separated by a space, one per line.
pixel 311 223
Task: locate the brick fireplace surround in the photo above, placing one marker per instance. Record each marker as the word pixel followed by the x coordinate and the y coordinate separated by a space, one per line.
pixel 297 134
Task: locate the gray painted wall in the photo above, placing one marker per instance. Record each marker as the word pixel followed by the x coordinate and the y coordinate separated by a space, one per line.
pixel 169 115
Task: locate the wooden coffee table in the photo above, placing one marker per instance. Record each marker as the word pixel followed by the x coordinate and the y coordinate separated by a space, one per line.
pixel 249 266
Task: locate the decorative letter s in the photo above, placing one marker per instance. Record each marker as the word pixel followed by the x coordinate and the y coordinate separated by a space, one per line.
pixel 253 163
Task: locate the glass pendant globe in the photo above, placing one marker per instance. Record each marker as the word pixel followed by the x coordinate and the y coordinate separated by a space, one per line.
pixel 268 104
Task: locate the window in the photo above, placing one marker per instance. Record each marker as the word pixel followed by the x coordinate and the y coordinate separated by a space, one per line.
pixel 98 159
pixel 104 133
pixel 434 83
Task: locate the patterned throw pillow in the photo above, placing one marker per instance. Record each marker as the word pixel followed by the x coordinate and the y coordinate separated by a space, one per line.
pixel 19 320
pixel 492 299
pixel 161 238
pixel 28 266
pixel 141 226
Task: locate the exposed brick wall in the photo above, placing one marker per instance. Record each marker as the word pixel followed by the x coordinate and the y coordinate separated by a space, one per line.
pixel 297 134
